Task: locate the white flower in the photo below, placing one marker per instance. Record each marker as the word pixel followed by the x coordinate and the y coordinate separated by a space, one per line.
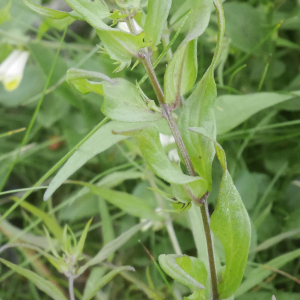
pixel 123 26
pixel 273 297
pixel 12 68
pixel 167 140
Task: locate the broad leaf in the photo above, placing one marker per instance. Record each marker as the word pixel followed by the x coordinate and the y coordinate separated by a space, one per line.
pixel 188 270
pixel 45 11
pixel 181 72
pixel 198 111
pixel 156 19
pixel 44 285
pixel 101 282
pixel 231 225
pixel 92 11
pixel 97 143
pixel 121 46
pixel 111 247
pixel 155 156
pixel 131 204
pixel 232 110
pixel 123 102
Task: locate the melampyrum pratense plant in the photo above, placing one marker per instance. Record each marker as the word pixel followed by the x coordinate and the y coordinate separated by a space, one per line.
pixel 131 114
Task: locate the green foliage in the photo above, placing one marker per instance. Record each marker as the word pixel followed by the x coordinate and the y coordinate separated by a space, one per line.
pixel 108 139
pixel 187 270
pixel 158 11
pixel 44 285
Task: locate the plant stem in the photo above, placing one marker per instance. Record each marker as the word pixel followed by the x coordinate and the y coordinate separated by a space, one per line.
pixel 71 287
pixel 167 114
pixel 210 250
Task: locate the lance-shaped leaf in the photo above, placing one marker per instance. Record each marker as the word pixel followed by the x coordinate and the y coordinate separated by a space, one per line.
pixel 93 12
pixel 188 270
pixel 84 81
pixel 181 72
pixel 123 102
pixel 231 225
pixel 121 46
pixel 45 11
pixel 111 247
pixel 157 14
pixel 155 156
pixel 201 10
pixel 97 143
pixel 198 111
pixel 44 285
pixel 102 281
pixel 131 204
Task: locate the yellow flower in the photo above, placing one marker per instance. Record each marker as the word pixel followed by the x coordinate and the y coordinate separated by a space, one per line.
pixel 12 68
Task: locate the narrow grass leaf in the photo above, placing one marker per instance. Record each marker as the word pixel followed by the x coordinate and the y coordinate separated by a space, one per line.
pixel 101 282
pixel 44 285
pixel 100 141
pixel 111 247
pixel 131 204
pixel 49 221
pixel 259 274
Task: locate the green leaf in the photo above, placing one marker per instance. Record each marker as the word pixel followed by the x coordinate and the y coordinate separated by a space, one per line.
pixel 49 221
pixel 44 285
pixel 155 156
pixel 111 247
pixel 219 150
pixel 181 72
pixel 231 225
pixel 157 14
pixel 201 10
pixel 232 110
pixel 198 111
pixel 45 11
pixel 188 270
pixel 123 102
pixel 131 204
pixel 243 25
pixel 268 296
pixel 5 12
pixel 259 274
pixel 92 11
pixel 121 46
pixel 94 276
pixel 107 227
pixel 80 245
pixel 101 282
pixel 82 80
pixel 97 143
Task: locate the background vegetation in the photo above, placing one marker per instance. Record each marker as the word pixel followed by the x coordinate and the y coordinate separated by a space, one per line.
pixel 260 136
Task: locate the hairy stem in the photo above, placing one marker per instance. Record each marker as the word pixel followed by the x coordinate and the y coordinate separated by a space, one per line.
pixel 167 114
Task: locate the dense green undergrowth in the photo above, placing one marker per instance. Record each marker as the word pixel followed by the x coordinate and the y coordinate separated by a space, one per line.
pixel 258 120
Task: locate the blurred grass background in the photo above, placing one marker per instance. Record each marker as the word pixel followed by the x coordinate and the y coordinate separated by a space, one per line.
pixel 261 54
